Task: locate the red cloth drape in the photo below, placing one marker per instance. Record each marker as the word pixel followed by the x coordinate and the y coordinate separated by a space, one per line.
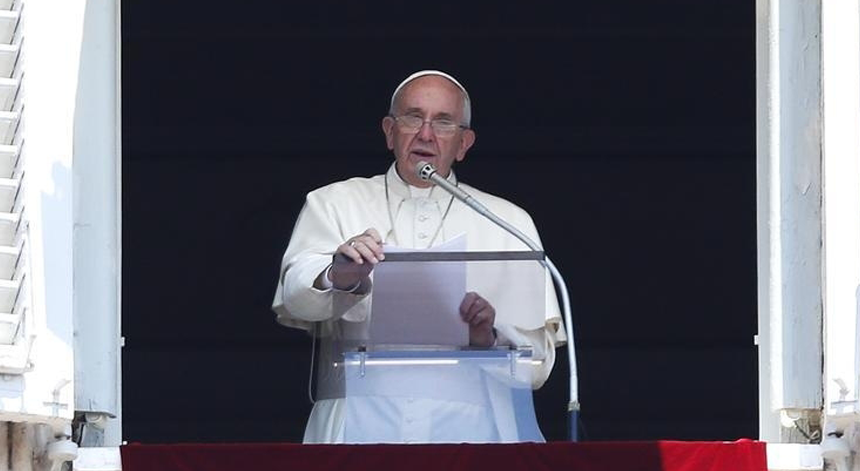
pixel 743 455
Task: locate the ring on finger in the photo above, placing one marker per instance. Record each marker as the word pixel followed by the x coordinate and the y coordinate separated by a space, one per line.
pixel 352 243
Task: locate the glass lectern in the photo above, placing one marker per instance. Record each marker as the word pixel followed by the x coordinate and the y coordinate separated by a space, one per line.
pixel 408 374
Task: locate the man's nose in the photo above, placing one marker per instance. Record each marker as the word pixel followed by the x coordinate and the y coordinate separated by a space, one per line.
pixel 425 132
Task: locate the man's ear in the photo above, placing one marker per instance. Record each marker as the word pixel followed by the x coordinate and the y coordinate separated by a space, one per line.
pixel 388 129
pixel 466 143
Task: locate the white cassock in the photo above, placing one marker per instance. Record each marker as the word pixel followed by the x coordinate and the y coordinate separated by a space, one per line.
pixel 420 217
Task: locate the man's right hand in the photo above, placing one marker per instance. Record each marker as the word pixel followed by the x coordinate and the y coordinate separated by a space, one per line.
pixel 354 259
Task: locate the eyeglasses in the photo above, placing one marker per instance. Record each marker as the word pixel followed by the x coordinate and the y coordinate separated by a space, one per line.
pixel 411 124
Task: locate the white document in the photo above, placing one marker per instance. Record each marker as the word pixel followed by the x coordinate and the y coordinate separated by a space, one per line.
pixel 418 303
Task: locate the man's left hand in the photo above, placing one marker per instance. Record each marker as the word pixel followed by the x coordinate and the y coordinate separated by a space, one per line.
pixel 481 316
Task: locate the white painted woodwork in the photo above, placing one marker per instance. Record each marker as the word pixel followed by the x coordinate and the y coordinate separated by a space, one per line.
pixel 8 193
pixel 8 160
pixel 8 293
pixel 37 214
pixel 789 226
pixel 97 220
pixel 8 125
pixel 794 457
pixel 8 261
pixel 9 325
pixel 36 358
pixel 808 84
pixel 8 228
pixel 8 59
pixel 98 459
pixel 8 91
pixel 14 359
pixel 840 39
pixel 8 25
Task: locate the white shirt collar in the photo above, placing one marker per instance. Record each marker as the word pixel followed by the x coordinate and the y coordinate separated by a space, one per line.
pixel 403 190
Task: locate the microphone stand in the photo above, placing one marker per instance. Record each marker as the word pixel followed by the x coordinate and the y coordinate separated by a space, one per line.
pixel 426 171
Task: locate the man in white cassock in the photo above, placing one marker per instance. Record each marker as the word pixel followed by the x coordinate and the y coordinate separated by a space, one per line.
pixel 325 284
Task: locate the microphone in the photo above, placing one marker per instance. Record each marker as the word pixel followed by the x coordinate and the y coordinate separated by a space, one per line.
pixel 427 172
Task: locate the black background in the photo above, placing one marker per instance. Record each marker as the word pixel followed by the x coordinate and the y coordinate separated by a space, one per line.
pixel 626 128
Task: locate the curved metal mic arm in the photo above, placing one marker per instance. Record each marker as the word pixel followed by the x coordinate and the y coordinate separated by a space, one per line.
pixel 426 171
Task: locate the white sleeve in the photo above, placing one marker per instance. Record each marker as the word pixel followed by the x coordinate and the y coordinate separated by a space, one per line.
pixel 315 237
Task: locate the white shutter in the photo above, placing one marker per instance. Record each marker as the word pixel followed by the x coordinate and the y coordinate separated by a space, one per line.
pixel 14 336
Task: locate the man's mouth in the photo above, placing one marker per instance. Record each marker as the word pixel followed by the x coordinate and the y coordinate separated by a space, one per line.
pixel 423 154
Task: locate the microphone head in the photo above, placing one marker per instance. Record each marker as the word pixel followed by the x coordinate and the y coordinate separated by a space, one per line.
pixel 424 170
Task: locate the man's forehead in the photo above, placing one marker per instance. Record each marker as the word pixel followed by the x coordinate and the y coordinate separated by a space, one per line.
pixel 427 73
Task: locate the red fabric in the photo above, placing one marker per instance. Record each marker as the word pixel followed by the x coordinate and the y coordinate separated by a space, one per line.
pixel 744 455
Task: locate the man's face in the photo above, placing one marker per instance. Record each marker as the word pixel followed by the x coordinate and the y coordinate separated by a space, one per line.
pixel 431 98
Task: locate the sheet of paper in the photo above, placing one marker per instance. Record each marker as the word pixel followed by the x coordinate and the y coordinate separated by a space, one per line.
pixel 418 303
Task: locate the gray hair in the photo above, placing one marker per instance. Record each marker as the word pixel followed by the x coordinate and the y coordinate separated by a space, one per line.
pixel 467 103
